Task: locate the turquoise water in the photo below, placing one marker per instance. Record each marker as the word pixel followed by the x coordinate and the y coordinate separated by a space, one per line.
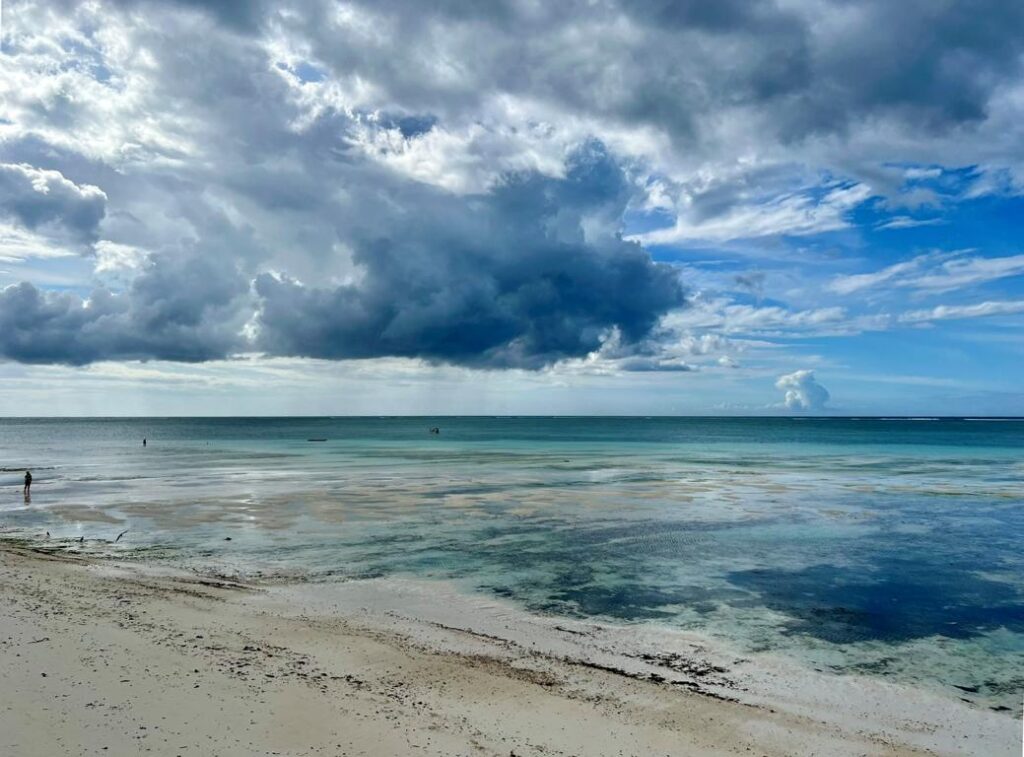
pixel 885 547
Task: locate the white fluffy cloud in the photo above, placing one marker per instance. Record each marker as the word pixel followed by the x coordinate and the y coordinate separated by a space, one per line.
pixel 803 392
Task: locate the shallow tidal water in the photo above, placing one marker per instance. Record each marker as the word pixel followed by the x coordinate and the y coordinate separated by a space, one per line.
pixel 890 548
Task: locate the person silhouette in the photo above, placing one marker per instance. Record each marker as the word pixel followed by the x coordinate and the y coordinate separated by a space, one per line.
pixel 143 441
pixel 28 484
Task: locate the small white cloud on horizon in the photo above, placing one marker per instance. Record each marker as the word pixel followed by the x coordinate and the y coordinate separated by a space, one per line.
pixel 803 392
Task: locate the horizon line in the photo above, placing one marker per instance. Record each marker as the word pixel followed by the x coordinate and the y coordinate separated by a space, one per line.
pixel 384 416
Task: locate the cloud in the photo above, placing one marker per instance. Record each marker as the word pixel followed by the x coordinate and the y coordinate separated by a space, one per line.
pixel 46 202
pixel 803 392
pixel 352 255
pixel 653 365
pixel 752 282
pixel 918 173
pixel 182 308
pixel 934 272
pixel 949 312
pixel 964 272
pixel 449 181
pixel 526 275
pixel 726 317
pixel 906 222
pixel 18 244
pixel 794 70
pixel 791 214
pixel 113 258
pixel 857 282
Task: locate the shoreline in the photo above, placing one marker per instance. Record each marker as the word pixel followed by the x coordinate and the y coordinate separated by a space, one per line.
pixel 138 659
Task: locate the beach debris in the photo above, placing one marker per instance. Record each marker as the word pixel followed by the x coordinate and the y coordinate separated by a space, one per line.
pixel 39 641
pixel 120 535
pixel 227 538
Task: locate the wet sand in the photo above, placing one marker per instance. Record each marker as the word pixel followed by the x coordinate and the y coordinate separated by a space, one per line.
pixel 120 660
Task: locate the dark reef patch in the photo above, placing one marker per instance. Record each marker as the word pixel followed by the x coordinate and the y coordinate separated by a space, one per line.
pixel 899 600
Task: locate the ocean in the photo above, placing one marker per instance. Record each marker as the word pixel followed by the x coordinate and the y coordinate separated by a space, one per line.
pixel 880 547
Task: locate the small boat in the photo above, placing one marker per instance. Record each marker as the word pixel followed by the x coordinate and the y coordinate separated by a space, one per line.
pixel 316 440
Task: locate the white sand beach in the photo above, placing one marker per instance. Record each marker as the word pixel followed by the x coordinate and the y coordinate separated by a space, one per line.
pixel 116 659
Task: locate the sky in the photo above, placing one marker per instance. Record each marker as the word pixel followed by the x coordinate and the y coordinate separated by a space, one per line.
pixel 514 207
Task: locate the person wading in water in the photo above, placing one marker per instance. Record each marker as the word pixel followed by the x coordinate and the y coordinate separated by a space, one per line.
pixel 28 484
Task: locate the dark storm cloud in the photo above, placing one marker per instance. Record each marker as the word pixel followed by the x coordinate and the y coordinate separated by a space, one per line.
pixel 817 68
pixel 182 308
pixel 239 15
pixel 525 276
pixel 933 65
pixel 833 64
pixel 43 200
